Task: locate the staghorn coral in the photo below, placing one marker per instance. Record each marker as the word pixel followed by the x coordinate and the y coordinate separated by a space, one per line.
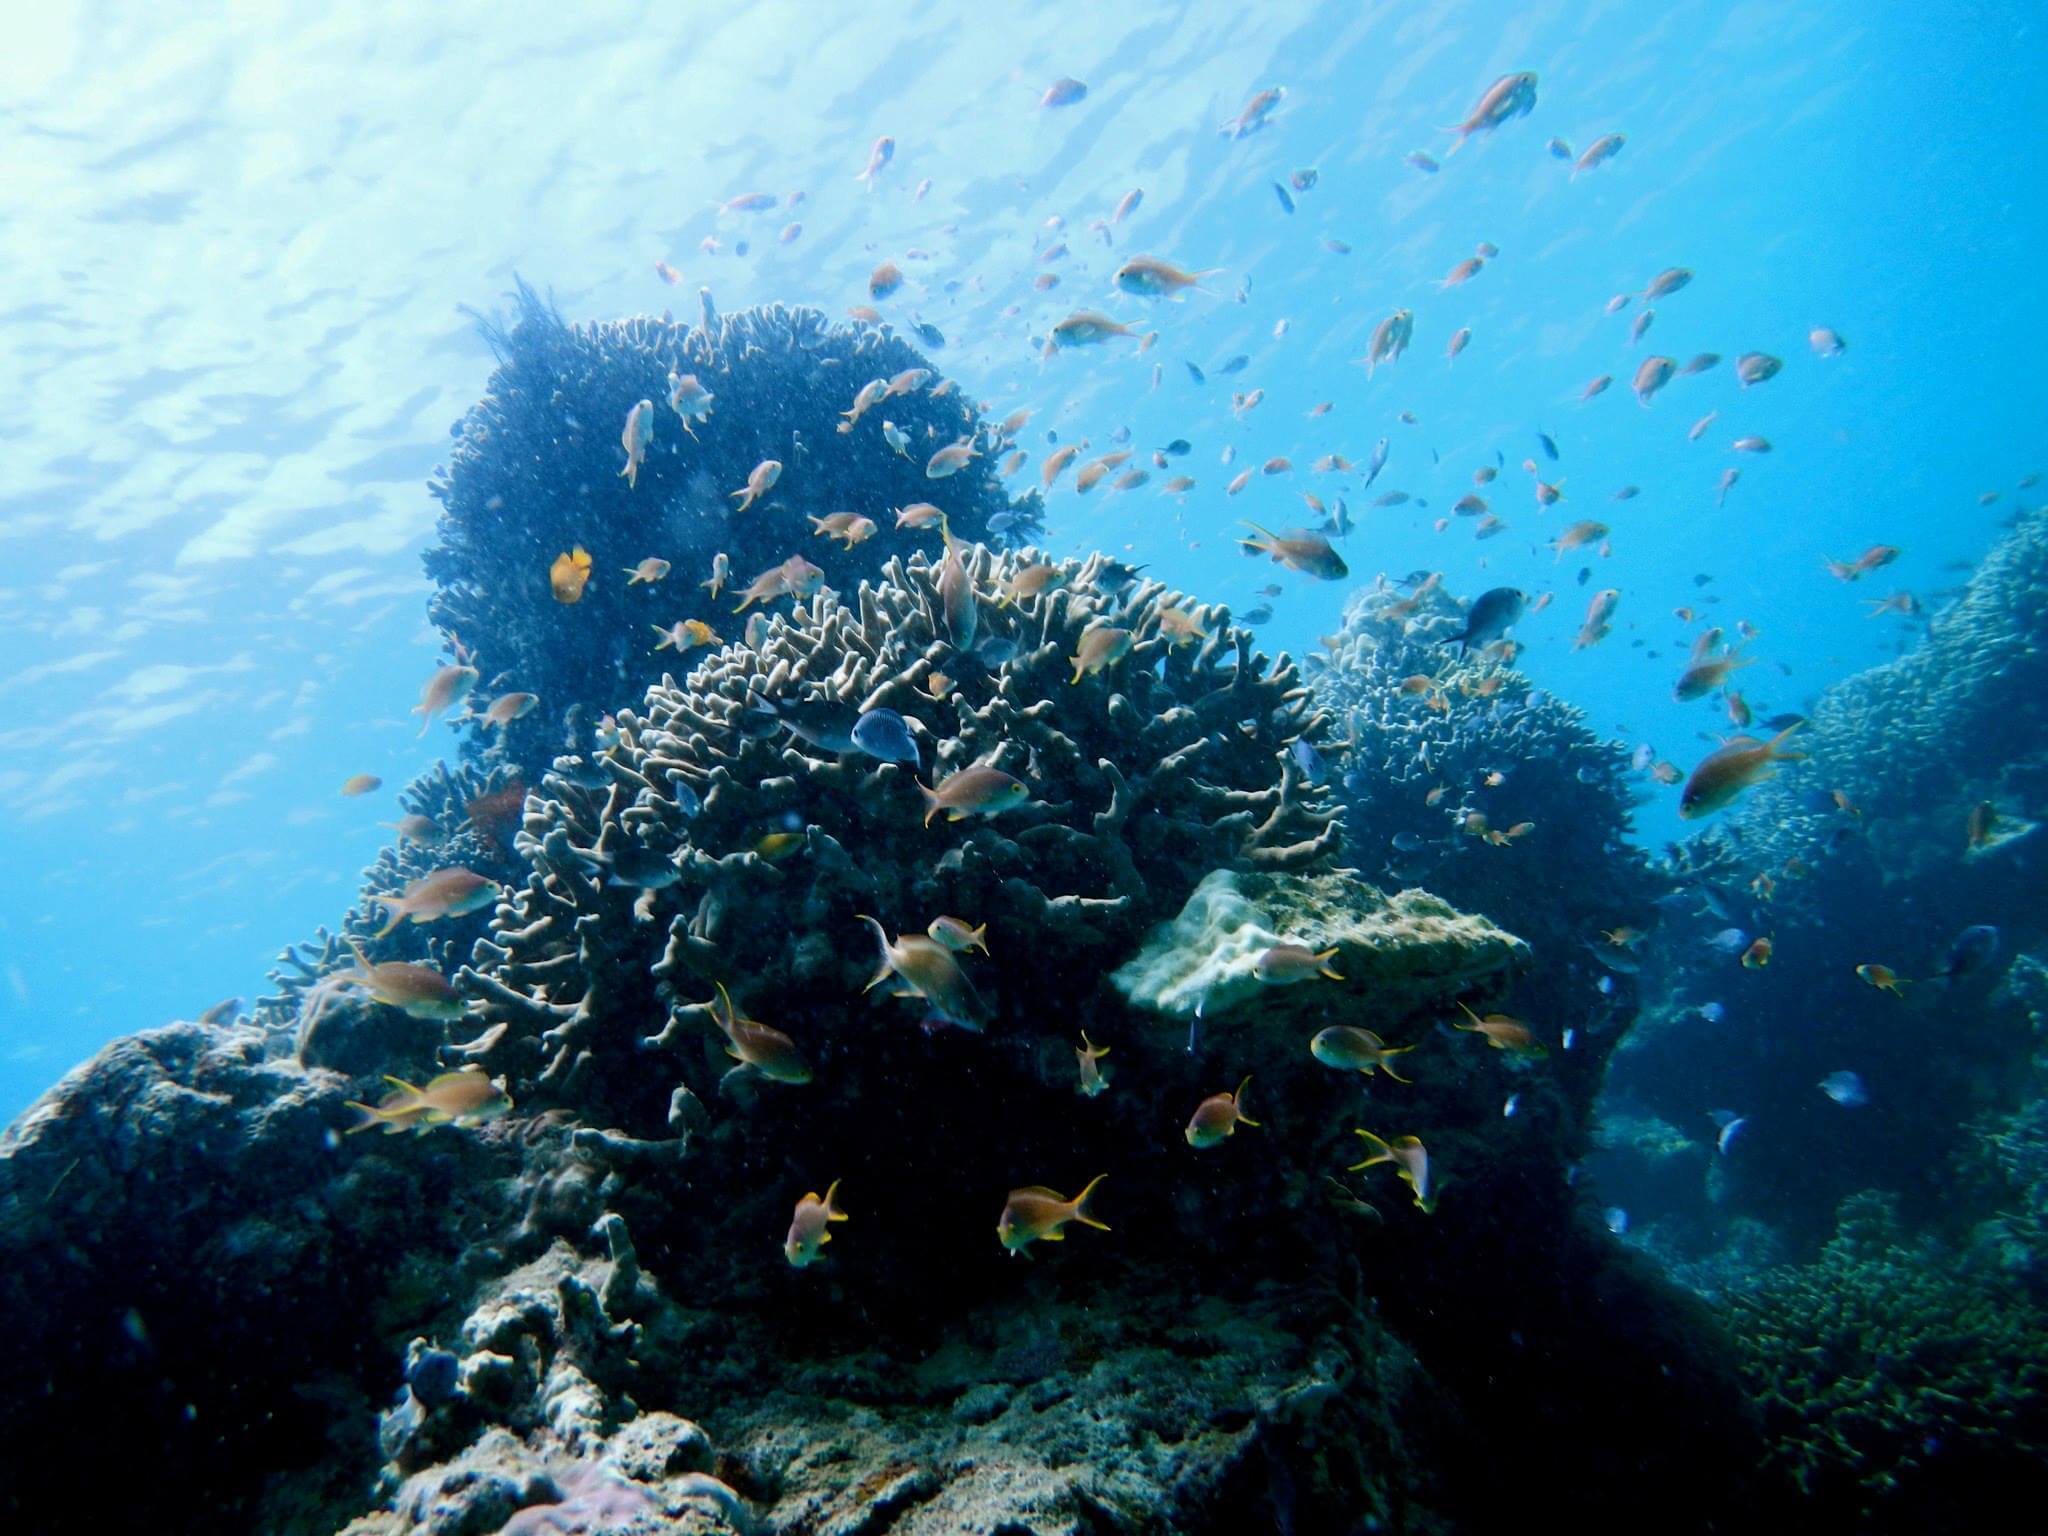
pixel 1903 1388
pixel 1173 763
pixel 535 471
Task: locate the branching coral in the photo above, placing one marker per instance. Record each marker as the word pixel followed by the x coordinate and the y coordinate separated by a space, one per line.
pixel 534 473
pixel 1142 779
pixel 1900 1385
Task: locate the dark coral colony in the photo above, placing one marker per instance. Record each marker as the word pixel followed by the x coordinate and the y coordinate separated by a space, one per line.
pixel 868 876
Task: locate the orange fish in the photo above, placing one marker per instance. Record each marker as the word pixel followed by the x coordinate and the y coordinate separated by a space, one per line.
pixel 569 575
pixel 1218 1116
pixel 1726 772
pixel 1035 1214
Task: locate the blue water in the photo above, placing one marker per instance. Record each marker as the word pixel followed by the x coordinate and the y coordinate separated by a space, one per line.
pixel 231 343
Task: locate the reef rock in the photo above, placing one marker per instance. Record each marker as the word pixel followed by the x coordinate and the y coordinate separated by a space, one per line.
pixel 1393 954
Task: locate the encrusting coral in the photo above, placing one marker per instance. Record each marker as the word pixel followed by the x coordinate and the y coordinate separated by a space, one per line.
pixel 534 473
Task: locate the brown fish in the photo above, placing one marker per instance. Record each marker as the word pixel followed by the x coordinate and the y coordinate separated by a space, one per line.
pixel 464 1098
pixel 452 892
pixel 1035 1214
pixel 1099 647
pixel 1503 1033
pixel 443 691
pixel 1217 1117
pixel 1299 550
pixel 1725 773
pixel 925 968
pixel 973 791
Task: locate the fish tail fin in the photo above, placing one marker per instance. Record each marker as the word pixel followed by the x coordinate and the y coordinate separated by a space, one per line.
pixel 1323 964
pixel 1471 1028
pixel 932 804
pixel 882 936
pixel 397 910
pixel 1772 746
pixel 1081 1212
pixel 1380 1152
pixel 371 1115
pixel 832 1212
pixel 1399 1050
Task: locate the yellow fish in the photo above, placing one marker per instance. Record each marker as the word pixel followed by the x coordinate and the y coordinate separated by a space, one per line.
pixel 1410 1161
pixel 1351 1049
pixel 569 575
pixel 464 1098
pixel 1092 1079
pixel 684 635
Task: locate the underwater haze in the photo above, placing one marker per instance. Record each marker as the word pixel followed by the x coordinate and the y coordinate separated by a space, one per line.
pixel 236 340
pixel 1509 530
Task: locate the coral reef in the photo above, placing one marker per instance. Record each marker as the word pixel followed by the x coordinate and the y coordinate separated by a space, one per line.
pixel 200 1268
pixel 1864 853
pixel 535 472
pixel 1903 1387
pixel 1031 776
pixel 1174 764
pixel 1456 774
pixel 1914 745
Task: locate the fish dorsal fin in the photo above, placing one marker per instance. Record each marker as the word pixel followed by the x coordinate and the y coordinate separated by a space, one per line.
pixel 1039 1189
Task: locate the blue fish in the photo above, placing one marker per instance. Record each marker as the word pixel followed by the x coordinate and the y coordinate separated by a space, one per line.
pixel 884 734
pixel 1236 364
pixel 1308 760
pixel 1549 446
pixel 1196 374
pixel 1286 202
pixel 1973 949
pixel 686 798
pixel 1375 464
pixel 1177 447
pixel 1846 1089
pixel 995 650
